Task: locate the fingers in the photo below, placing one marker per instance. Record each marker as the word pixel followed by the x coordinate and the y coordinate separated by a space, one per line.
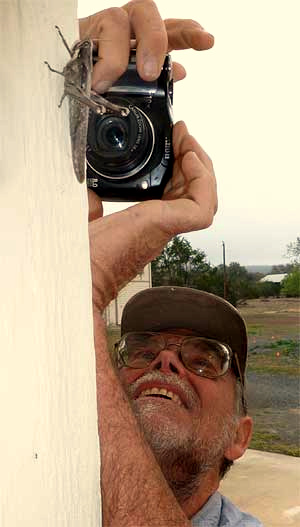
pixel 185 34
pixel 95 206
pixel 179 132
pixel 193 179
pixel 191 196
pixel 202 185
pixel 110 32
pixel 112 29
pixel 149 30
pixel 183 142
pixel 113 49
pixel 179 72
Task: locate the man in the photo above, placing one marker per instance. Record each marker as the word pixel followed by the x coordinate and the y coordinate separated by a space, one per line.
pixel 135 492
pixel 181 361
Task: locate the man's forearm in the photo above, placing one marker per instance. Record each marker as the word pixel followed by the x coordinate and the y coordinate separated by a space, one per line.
pixel 121 245
pixel 134 491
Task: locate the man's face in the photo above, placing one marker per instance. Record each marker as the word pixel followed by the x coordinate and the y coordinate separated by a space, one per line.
pixel 184 416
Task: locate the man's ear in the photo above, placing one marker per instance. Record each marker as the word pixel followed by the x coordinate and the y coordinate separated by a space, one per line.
pixel 242 439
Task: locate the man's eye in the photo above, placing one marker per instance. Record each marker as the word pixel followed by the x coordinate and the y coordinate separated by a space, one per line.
pixel 201 364
pixel 144 353
pixel 147 354
pixel 204 365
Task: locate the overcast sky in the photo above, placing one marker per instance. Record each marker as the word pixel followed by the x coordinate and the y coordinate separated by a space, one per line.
pixel 241 102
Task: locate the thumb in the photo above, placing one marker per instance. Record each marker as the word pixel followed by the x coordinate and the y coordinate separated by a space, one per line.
pixel 190 163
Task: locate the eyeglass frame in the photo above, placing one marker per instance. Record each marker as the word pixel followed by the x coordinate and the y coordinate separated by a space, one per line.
pixel 226 347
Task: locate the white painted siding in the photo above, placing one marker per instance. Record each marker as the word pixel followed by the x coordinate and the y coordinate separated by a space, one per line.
pixel 113 312
pixel 49 447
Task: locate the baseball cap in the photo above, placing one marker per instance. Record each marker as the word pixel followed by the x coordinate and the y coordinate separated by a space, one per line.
pixel 173 307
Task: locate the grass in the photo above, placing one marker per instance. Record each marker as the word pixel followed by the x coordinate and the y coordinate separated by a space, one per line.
pixel 255 329
pixel 288 347
pixel 276 356
pixel 273 330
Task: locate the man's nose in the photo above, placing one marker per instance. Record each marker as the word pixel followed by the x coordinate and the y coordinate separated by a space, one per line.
pixel 168 361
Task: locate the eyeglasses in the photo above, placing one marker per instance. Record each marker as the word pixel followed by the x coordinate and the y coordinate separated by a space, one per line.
pixel 202 356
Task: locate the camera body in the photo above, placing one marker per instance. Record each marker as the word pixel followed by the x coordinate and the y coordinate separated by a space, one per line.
pixel 130 158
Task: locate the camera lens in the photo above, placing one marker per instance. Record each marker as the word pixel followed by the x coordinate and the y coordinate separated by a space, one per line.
pixel 112 134
pixel 119 147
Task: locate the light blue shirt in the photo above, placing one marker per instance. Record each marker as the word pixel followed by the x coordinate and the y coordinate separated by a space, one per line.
pixel 218 511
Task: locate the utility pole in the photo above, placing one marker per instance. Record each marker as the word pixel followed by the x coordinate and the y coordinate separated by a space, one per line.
pixel 224 273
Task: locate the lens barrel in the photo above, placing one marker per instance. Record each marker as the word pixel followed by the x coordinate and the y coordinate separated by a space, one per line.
pixel 119 147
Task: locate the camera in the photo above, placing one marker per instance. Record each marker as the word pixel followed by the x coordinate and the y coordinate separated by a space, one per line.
pixel 129 158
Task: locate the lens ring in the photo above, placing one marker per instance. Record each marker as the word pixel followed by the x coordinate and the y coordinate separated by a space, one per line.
pixel 132 172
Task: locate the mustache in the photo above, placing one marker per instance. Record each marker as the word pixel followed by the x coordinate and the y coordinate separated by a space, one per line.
pixel 171 379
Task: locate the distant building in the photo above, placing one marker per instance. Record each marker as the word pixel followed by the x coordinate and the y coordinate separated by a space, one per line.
pixel 113 312
pixel 275 278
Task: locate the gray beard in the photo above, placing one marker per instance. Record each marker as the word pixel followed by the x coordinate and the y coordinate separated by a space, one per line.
pixel 185 461
pixel 184 464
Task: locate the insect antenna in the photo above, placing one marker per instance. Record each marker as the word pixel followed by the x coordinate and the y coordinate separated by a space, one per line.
pixel 64 40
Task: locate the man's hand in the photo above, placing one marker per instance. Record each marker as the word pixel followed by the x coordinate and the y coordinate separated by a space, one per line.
pixel 191 193
pixel 123 243
pixel 138 24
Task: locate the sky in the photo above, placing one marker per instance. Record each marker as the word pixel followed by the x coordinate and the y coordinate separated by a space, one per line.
pixel 241 101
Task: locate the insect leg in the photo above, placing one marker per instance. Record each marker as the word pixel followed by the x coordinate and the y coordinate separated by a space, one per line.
pixel 61 100
pixel 51 69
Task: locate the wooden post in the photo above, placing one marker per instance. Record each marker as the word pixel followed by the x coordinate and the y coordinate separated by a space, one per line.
pixel 49 446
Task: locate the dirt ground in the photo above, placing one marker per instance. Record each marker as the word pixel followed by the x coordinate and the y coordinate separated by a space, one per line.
pixel 274 388
pixel 271 305
pixel 280 317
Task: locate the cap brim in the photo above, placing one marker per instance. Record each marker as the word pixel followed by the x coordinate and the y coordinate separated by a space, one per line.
pixel 162 308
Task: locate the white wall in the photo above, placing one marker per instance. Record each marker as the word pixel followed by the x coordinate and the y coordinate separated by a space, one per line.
pixel 48 440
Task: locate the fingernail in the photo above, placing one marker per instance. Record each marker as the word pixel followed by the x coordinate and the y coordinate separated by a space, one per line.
pixel 207 32
pixel 151 68
pixel 102 86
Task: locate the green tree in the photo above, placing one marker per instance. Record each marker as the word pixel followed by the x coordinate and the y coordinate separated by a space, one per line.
pixel 179 264
pixel 266 289
pixel 239 283
pixel 293 251
pixel 291 284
